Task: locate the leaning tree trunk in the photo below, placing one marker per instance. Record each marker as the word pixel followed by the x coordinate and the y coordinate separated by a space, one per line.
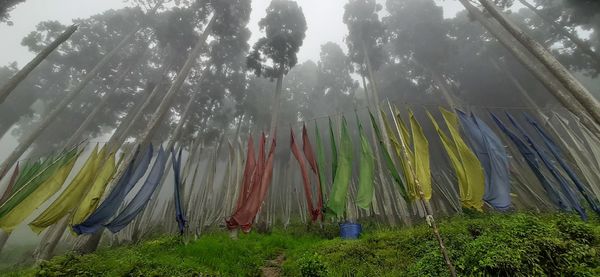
pixel 572 36
pixel 22 74
pixel 99 107
pixel 534 67
pixel 53 114
pixel 587 100
pixel 147 214
pixel 161 111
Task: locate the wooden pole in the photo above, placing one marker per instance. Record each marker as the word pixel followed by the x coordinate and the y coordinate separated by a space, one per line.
pixel 14 81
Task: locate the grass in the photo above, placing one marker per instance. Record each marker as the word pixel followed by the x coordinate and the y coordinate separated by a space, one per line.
pixel 498 245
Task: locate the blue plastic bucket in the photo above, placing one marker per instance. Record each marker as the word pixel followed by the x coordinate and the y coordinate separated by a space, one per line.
pixel 350 230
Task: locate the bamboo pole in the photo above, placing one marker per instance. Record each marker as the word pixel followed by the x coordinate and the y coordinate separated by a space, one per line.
pixel 428 210
pixel 14 81
pixel 587 100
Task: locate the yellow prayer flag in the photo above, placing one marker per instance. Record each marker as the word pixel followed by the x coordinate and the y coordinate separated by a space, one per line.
pixel 92 198
pixel 70 197
pixel 421 156
pixel 468 169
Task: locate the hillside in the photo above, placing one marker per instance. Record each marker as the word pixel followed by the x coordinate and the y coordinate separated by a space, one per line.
pixel 518 244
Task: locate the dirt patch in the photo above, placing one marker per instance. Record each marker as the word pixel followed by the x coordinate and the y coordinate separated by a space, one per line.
pixel 273 267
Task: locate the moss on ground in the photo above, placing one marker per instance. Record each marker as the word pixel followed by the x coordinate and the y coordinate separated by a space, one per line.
pixel 496 244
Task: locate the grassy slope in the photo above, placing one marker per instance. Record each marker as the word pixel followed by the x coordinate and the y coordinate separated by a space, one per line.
pixel 519 244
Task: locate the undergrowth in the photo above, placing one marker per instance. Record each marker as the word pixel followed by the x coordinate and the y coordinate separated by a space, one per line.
pixel 481 245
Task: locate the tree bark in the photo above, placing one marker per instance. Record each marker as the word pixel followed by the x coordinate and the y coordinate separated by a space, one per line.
pixel 587 100
pixel 276 104
pixel 534 67
pixel 7 88
pixel 157 117
pixel 582 45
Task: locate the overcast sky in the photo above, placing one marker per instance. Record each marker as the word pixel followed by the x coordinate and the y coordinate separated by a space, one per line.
pixel 324 19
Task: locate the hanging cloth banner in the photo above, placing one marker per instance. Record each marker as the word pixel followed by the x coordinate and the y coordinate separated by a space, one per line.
pixel 310 157
pixel 493 157
pixel 320 164
pixel 61 168
pixel 388 159
pixel 247 178
pixel 134 172
pixel 576 146
pixel 314 214
pixel 572 199
pixel 244 216
pixel 339 190
pixel 404 142
pixel 471 179
pixel 140 200
pixel 92 198
pixel 179 213
pixel 334 152
pixel 32 177
pixel 556 152
pixel 71 195
pixel 532 160
pixel 366 189
pixel 421 156
pixel 9 187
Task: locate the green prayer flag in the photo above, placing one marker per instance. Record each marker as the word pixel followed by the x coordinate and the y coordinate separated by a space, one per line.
pixel 334 152
pixel 367 167
pixel 320 160
pixel 339 192
pixel 388 160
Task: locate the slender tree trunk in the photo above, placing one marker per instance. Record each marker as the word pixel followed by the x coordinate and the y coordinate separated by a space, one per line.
pixel 104 100
pixel 147 214
pixel 587 100
pixel 50 239
pixel 534 67
pixel 572 36
pixel 157 117
pixel 7 88
pixel 53 114
pixel 276 104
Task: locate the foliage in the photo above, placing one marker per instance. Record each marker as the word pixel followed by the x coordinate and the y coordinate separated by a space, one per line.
pixel 285 28
pixel 479 245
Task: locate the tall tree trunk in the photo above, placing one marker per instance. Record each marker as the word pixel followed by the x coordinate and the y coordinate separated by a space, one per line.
pixel 137 112
pixel 53 114
pixel 276 104
pixel 157 117
pixel 147 214
pixel 534 67
pixel 587 100
pixel 572 36
pixel 7 88
pixel 99 107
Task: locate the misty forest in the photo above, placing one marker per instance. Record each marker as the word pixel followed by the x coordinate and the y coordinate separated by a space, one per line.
pixel 197 138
